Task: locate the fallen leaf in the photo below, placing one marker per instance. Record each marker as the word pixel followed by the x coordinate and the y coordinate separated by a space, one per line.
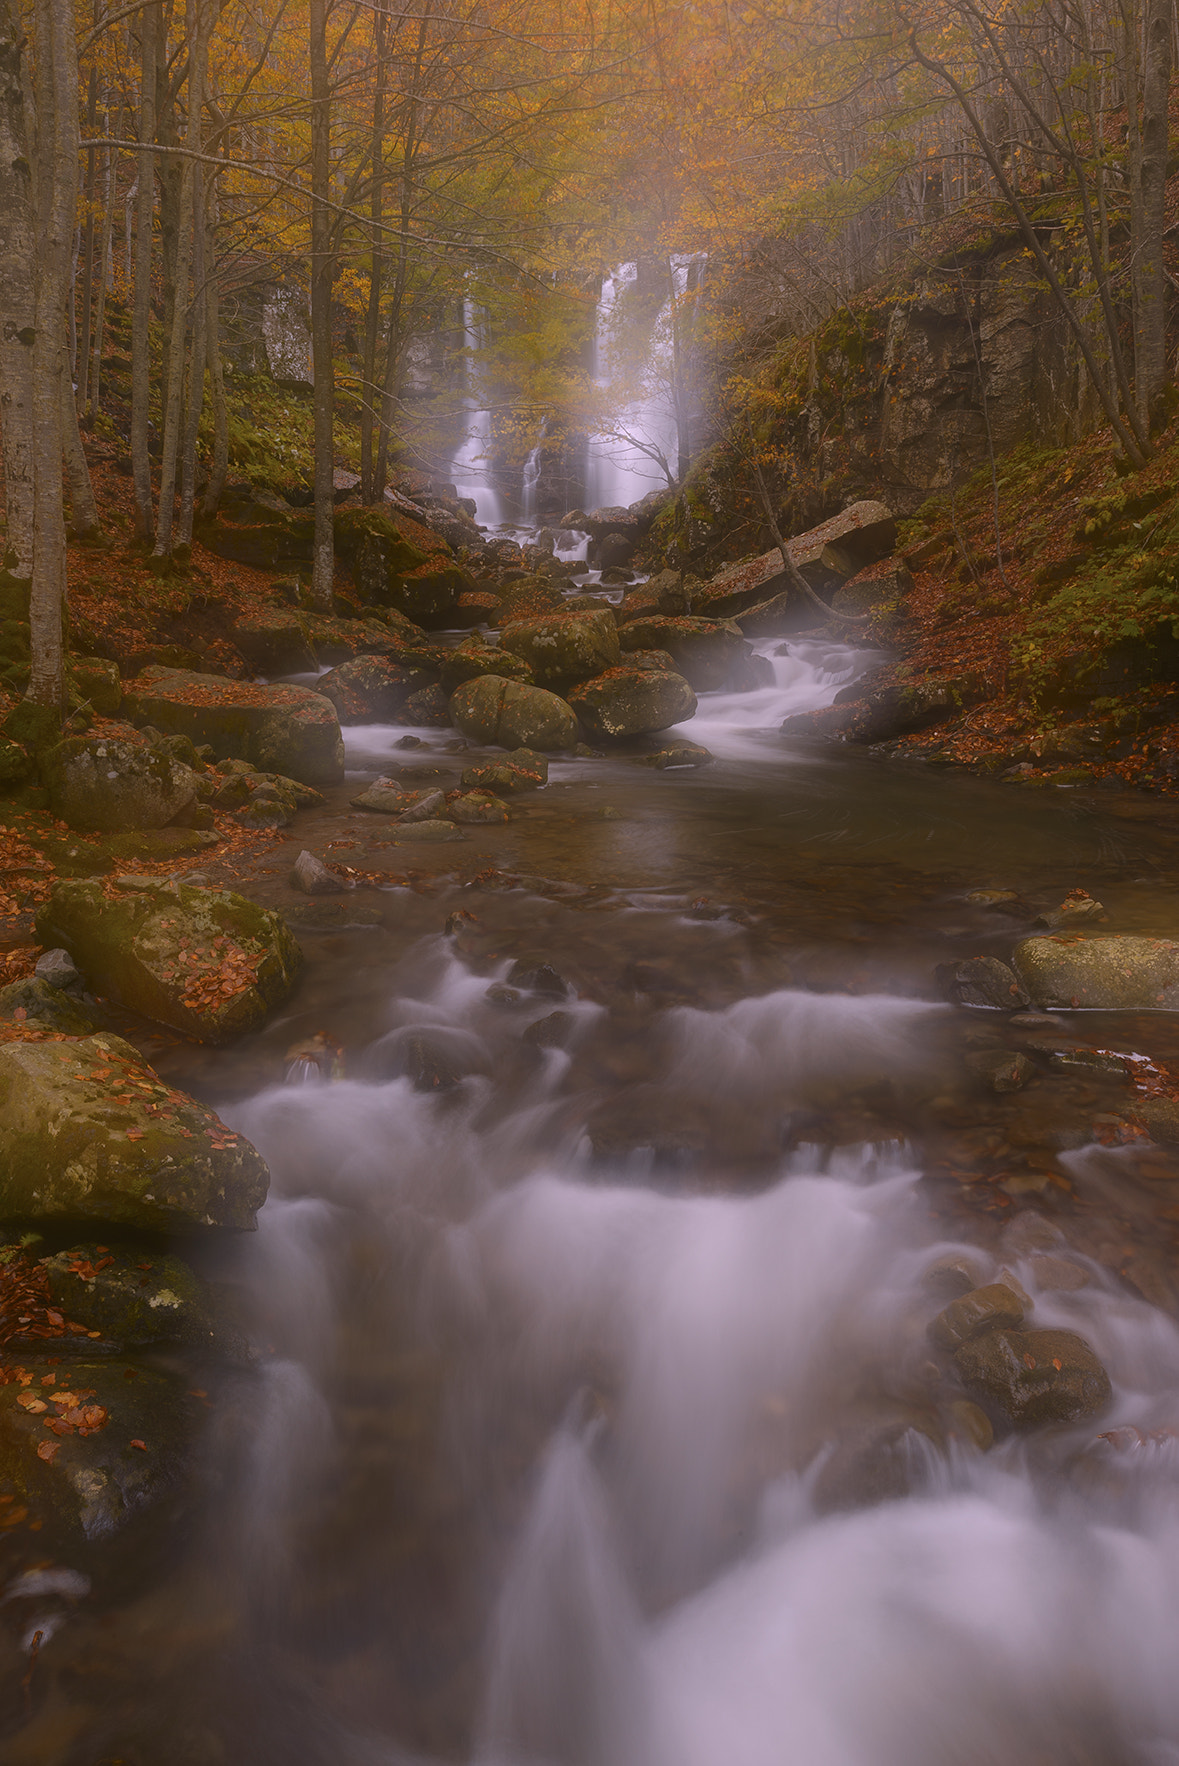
pixel 48 1450
pixel 142 1445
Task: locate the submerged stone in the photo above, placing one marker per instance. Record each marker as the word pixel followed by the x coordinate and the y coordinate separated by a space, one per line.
pixel 1110 974
pixel 1035 1377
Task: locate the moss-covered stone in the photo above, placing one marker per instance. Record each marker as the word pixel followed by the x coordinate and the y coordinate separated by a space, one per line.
pixel 512 715
pixel 96 681
pixel 711 654
pixel 473 658
pixel 557 649
pixel 205 961
pixel 632 702
pixel 472 807
pixel 1110 974
pixel 87 1131
pixel 133 1297
pixel 85 1445
pixel 103 784
pixel 521 771
pixel 16 765
pixel 32 1000
pixel 371 689
pixel 287 730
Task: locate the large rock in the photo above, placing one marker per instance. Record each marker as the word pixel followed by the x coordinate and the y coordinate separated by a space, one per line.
pixel 827 556
pixel 632 702
pixel 33 1000
pixel 206 961
pixel 473 658
pixel 287 730
pixel 1034 1376
pixel 560 649
pixel 370 689
pixel 1111 974
pixel 275 642
pixel 104 784
pixel 87 1445
pixel 981 981
pixel 511 715
pixel 711 654
pixel 87 1131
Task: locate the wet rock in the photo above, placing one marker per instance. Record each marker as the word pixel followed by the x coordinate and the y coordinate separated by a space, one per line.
pixel 993 1307
pixel 981 981
pixel 432 1060
pixel 87 1131
pixel 1080 1059
pixel 1110 974
pixel 474 658
pixel 711 654
pixel 675 755
pixel 35 1001
pixel 476 807
pixel 552 1032
pixel 536 977
pixel 311 876
pixel 630 702
pixel 1029 1232
pixel 510 715
pixel 558 649
pixel 1032 1377
pixel 952 1276
pixel 286 730
pixel 1002 1070
pixel 383 799
pixel 970 1424
pixel 135 1298
pixel 880 1463
pixel 428 707
pixel 521 771
pixel 1077 909
pixel 1058 1274
pixel 499 995
pixel 208 962
pixel 429 807
pixel 370 689
pixel 103 784
pixel 87 1445
pixel 428 832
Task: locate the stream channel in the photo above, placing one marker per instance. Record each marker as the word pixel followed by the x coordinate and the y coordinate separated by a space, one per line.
pixel 592 1419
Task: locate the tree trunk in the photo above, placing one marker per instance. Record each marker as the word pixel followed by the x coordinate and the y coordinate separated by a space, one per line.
pixel 104 271
pixel 370 490
pixel 57 202
pixel 322 372
pixel 1151 279
pixel 82 360
pixel 185 229
pixel 149 26
pixel 194 401
pixel 17 299
pixel 84 521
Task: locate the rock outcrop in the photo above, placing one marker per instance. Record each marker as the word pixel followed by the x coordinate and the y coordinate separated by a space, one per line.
pixel 287 730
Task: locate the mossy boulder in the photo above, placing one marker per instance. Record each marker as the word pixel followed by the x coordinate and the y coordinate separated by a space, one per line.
pixel 208 962
pixel 632 702
pixel 287 730
pixel 473 658
pixel 371 689
pixel 1109 974
pixel 711 654
pixel 102 784
pixel 521 771
pixel 16 765
pixel 558 649
pixel 87 1131
pixel 96 681
pixel 511 715
pixel 275 643
pixel 35 1001
pixel 429 594
pixel 88 1444
pixel 1031 1377
pixel 475 807
pixel 528 597
pixel 133 1297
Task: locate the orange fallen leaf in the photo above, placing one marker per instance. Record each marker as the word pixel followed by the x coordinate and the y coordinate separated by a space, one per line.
pixel 48 1451
pixel 142 1445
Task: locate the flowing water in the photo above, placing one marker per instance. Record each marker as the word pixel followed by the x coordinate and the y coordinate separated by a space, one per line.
pixel 589 1418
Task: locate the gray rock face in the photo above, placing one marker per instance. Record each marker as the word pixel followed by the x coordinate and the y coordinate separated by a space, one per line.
pixel 983 1309
pixel 59 969
pixel 312 876
pixel 1034 1376
pixel 37 1001
pixel 103 785
pixel 512 715
pixel 1110 974
pixel 826 555
pixel 981 981
pixel 563 647
pixel 286 730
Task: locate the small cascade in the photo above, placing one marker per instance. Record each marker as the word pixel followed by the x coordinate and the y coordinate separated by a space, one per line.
pixel 532 478
pixel 469 468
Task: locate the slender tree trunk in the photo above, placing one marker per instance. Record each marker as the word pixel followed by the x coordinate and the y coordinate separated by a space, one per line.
pixel 1151 278
pixel 104 273
pixel 82 359
pixel 181 304
pixel 17 299
pixel 322 371
pixel 370 490
pixel 393 350
pixel 194 401
pixel 57 203
pixel 150 27
pixel 84 520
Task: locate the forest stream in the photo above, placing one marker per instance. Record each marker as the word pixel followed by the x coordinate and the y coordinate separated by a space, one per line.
pixel 589 1416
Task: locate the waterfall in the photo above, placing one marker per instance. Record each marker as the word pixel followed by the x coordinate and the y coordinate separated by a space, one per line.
pixel 532 476
pixel 470 463
pixel 626 460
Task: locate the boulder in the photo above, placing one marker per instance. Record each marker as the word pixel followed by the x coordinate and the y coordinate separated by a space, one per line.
pixel 103 784
pixel 35 1001
pixel 87 1445
pixel 87 1131
pixel 826 556
pixel 474 658
pixel 473 807
pixel 370 689
pixel 881 589
pixel 311 876
pixel 711 654
pixel 632 702
pixel 275 643
pixel 528 598
pixel 423 806
pixel 652 662
pixel 1034 1377
pixel 560 649
pixel 1109 974
pixel 521 771
pixel 205 961
pixel 287 730
pixel 96 681
pixel 993 1307
pixel 428 708
pixel 511 715
pixel 16 764
pixel 134 1298
pixel 981 981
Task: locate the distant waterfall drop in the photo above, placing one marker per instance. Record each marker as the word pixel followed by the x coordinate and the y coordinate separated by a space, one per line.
pixel 469 468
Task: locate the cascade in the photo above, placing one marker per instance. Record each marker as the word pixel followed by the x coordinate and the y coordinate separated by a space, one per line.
pixel 532 477
pixel 469 468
